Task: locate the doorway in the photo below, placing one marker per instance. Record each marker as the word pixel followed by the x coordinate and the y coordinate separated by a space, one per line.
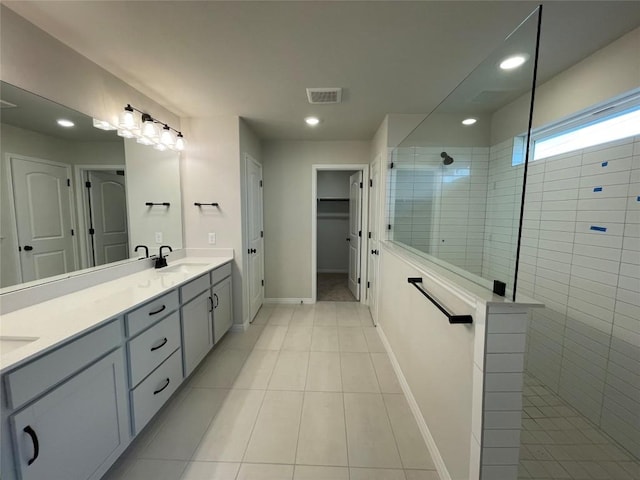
pixel 102 207
pixel 338 241
pixel 255 235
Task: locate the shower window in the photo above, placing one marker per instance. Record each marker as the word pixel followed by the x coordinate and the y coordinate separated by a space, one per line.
pixel 453 197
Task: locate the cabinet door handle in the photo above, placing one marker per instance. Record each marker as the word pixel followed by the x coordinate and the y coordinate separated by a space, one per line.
pixel 165 386
pixel 36 445
pixel 212 305
pixel 217 300
pixel 161 309
pixel 164 342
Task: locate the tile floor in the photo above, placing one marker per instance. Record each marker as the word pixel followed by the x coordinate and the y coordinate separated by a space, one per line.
pixel 307 392
pixel 559 443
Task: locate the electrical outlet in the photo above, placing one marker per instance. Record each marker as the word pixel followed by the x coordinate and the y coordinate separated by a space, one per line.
pixel 158 237
pixel 212 238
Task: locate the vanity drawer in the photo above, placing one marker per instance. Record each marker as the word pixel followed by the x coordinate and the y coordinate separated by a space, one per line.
pixel 150 348
pixel 194 288
pixel 155 390
pixel 141 318
pixel 40 375
pixel 220 273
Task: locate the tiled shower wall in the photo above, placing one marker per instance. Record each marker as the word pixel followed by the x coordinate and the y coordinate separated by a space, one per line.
pixel 440 209
pixel 581 257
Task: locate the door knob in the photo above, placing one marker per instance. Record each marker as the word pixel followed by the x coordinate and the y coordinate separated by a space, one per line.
pixel 253 250
pixel 28 248
pixel 348 239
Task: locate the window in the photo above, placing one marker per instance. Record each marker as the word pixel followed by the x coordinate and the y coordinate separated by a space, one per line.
pixel 606 123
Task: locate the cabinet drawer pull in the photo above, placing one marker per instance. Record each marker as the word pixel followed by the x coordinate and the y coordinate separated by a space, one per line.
pixel 165 386
pixel 164 342
pixel 34 439
pixel 161 309
pixel 217 300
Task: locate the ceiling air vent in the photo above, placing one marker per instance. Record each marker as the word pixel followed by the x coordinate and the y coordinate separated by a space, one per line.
pixel 324 95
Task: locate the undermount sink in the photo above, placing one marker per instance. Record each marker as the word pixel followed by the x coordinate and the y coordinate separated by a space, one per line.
pixel 9 344
pixel 184 268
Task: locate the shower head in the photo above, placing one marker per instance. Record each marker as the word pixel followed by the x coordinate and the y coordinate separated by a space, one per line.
pixel 446 159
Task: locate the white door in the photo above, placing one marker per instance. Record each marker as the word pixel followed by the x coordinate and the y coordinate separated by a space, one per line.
pixel 107 217
pixel 374 245
pixel 255 250
pixel 355 235
pixel 42 202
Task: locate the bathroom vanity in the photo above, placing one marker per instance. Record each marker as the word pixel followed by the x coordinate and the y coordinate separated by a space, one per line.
pixel 83 373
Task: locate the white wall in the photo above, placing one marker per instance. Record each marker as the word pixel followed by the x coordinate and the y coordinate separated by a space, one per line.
pixel 287 199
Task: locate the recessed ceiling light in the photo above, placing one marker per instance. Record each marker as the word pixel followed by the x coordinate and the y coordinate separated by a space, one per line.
pixel 469 121
pixel 512 62
pixel 312 121
pixel 66 123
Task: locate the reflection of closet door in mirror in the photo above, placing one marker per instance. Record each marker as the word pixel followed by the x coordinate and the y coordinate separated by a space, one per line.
pixel 42 205
pixel 108 217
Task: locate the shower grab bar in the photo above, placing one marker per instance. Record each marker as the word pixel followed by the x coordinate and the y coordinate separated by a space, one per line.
pixel 453 319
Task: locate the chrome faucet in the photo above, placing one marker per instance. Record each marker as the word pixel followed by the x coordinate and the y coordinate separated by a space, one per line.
pixel 162 261
pixel 146 250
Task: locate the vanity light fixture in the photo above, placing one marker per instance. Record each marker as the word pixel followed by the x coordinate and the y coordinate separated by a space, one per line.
pixel 63 122
pixel 469 121
pixel 312 121
pixel 145 130
pixel 513 61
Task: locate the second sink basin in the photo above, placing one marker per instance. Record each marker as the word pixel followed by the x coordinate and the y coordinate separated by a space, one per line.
pixel 183 268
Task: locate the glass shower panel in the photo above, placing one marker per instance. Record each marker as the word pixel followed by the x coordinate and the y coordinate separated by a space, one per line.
pixel 455 189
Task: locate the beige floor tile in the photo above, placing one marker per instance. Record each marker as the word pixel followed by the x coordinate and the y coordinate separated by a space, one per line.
pixel 298 338
pixel 290 372
pixel 255 471
pixel 373 339
pixel 365 315
pixel 347 314
pixel 324 373
pixel 257 370
pixel 384 371
pixel 376 474
pixel 241 340
pixel 413 450
pixel 358 374
pixel 303 316
pixel 155 470
pixel 281 315
pixel 210 471
pixel 351 339
pixel 325 339
pixel 421 475
pixel 228 434
pixel 275 434
pixel 263 314
pixel 325 314
pixel 222 370
pixel 304 472
pixel 322 439
pixel 369 436
pixel 271 338
pixel 181 433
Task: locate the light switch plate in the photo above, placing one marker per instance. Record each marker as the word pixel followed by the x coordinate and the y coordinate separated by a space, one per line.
pixel 212 238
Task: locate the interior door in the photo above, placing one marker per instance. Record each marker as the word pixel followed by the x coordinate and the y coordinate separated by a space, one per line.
pixel 374 241
pixel 108 217
pixel 355 235
pixel 255 250
pixel 42 203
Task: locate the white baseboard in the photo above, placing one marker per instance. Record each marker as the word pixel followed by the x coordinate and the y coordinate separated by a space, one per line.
pixel 293 301
pixel 415 409
pixel 239 327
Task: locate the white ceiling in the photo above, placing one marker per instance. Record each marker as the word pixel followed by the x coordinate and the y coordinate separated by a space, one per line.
pixel 255 59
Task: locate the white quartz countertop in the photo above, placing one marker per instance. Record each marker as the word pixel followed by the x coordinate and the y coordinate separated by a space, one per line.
pixel 64 318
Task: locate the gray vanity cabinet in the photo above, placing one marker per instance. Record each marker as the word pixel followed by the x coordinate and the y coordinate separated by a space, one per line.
pixel 222 308
pixel 197 330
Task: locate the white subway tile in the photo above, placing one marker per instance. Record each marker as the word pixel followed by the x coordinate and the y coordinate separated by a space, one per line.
pixel 499 472
pixel 504 362
pixel 503 382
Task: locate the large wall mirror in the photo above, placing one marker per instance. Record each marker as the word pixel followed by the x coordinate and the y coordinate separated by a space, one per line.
pixel 75 197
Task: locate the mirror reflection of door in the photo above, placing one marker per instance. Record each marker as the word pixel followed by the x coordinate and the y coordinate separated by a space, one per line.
pixel 106 215
pixel 42 207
